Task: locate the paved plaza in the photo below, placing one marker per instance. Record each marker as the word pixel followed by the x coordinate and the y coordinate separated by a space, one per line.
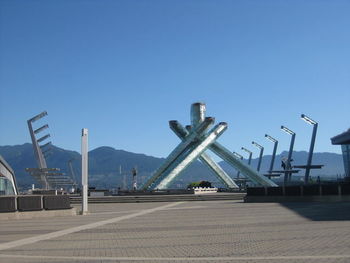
pixel 210 231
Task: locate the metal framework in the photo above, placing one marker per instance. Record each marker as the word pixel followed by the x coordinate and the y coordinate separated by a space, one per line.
pixel 181 132
pixel 7 172
pixel 195 141
pixel 47 177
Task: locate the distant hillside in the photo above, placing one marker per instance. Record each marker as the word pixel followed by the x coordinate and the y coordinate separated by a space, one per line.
pixel 104 166
pixel 105 163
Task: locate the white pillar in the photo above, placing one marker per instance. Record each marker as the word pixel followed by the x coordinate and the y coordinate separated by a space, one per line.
pixel 84 170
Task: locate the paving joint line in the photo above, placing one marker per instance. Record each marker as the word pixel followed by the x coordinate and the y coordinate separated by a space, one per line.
pixel 214 259
pixel 55 234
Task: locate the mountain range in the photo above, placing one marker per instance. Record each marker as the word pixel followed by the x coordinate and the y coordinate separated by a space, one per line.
pixel 110 168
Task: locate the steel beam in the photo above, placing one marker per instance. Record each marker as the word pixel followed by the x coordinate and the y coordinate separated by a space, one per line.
pixel 199 109
pixel 39 116
pixel 181 132
pixel 181 148
pixel 229 157
pixel 41 129
pixel 43 138
pixel 187 158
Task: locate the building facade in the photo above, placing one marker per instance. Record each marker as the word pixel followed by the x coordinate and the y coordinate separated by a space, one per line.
pixel 343 140
pixel 8 185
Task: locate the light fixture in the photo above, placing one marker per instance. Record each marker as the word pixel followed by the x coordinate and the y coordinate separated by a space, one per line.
pixel 308 120
pixel 257 145
pixel 270 138
pixel 284 128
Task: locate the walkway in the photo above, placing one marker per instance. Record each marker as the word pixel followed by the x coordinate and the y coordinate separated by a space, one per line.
pixel 212 231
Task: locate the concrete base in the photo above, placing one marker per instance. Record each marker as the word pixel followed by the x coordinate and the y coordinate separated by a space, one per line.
pixel 285 199
pixel 38 214
pixel 82 213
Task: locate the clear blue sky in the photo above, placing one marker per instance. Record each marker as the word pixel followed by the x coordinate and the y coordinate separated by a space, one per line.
pixel 123 69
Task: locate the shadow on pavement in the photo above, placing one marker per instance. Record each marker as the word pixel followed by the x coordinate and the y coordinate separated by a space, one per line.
pixel 321 211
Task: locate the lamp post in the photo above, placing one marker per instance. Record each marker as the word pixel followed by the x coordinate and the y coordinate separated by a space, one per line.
pixel 260 155
pixel 250 154
pixel 312 145
pixel 239 157
pixel 275 143
pixel 289 158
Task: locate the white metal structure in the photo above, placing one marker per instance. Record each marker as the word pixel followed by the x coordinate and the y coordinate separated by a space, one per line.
pixel 195 141
pixel 84 169
pixel 7 172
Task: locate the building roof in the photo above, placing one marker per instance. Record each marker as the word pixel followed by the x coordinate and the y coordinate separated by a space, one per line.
pixel 6 165
pixel 343 138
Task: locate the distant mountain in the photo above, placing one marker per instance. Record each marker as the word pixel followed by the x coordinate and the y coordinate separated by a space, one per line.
pixel 22 156
pixel 105 163
pixel 108 167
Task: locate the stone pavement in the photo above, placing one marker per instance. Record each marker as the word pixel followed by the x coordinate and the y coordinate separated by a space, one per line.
pixel 211 231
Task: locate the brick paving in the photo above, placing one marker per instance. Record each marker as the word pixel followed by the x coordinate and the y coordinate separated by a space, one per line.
pixel 211 231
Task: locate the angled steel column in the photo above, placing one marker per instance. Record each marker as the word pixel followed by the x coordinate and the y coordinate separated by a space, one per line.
pixel 287 175
pixel 182 147
pixel 187 158
pixel 37 149
pixel 312 145
pixel 253 175
pixel 181 132
pixel 199 109
pixel 197 116
pixel 260 155
pixel 275 143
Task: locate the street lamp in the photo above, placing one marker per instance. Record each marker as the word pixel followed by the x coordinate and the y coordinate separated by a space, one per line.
pixel 312 145
pixel 288 165
pixel 238 156
pixel 260 155
pixel 250 154
pixel 273 152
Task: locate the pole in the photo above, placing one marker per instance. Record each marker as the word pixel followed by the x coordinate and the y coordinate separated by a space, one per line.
pixel 260 158
pixel 84 170
pixel 311 151
pixel 288 164
pixel 273 157
pixel 250 158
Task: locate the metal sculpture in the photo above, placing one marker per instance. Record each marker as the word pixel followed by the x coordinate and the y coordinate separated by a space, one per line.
pixel 48 177
pixel 195 141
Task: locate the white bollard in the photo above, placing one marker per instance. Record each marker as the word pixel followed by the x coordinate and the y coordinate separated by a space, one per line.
pixel 84 170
